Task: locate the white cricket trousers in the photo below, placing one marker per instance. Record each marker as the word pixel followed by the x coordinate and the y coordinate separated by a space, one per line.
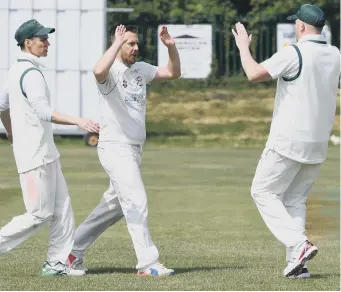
pixel 126 197
pixel 47 200
pixel 280 189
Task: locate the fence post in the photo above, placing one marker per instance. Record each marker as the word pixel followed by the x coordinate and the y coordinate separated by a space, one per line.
pixel 226 29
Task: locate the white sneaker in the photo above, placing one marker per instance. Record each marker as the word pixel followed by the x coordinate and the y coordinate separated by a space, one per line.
pixel 59 269
pixel 156 270
pixel 301 255
pixel 76 263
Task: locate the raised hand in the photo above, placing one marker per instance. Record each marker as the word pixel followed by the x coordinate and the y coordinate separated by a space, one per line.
pixel 243 40
pixel 120 34
pixel 165 38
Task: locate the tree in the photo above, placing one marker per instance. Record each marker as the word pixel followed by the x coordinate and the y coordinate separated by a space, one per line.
pixel 274 11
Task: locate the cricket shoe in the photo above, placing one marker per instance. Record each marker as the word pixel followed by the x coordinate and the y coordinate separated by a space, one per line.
pixel 156 270
pixel 76 263
pixel 304 274
pixel 303 253
pixel 59 269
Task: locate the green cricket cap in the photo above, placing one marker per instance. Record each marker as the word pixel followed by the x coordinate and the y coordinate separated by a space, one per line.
pixel 30 29
pixel 310 14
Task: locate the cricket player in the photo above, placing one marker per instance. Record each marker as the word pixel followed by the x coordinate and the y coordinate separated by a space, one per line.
pixel 308 75
pixel 27 117
pixel 122 85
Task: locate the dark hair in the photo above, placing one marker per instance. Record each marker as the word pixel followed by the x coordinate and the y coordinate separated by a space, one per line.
pixel 131 28
pixel 22 45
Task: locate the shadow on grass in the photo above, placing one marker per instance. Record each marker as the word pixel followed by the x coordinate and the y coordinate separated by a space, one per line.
pixel 177 270
pixel 324 276
pixel 196 269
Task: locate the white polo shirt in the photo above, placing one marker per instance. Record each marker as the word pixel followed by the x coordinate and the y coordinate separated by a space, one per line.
pixel 304 109
pixel 33 143
pixel 123 103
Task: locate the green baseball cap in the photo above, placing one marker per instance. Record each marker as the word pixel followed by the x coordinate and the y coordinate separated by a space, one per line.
pixel 30 29
pixel 310 14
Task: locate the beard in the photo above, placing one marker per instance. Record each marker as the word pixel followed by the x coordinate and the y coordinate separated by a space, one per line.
pixel 129 59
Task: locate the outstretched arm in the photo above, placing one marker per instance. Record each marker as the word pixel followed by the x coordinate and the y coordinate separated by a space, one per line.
pixel 35 88
pixel 254 71
pixel 102 67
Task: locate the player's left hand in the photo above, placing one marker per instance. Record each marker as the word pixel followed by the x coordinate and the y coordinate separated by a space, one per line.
pixel 243 40
pixel 165 38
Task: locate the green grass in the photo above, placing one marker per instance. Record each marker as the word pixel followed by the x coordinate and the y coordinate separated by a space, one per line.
pixel 214 116
pixel 201 218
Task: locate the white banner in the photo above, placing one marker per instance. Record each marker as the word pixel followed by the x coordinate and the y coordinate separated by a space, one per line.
pixel 286 34
pixel 194 43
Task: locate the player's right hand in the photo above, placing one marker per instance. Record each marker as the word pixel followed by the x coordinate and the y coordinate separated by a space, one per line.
pixel 120 34
pixel 88 125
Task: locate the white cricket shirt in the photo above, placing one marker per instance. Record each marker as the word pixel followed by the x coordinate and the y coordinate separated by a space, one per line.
pixel 33 143
pixel 304 109
pixel 123 103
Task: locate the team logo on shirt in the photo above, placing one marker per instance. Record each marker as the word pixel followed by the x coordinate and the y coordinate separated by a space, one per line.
pixel 138 81
pixel 135 101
